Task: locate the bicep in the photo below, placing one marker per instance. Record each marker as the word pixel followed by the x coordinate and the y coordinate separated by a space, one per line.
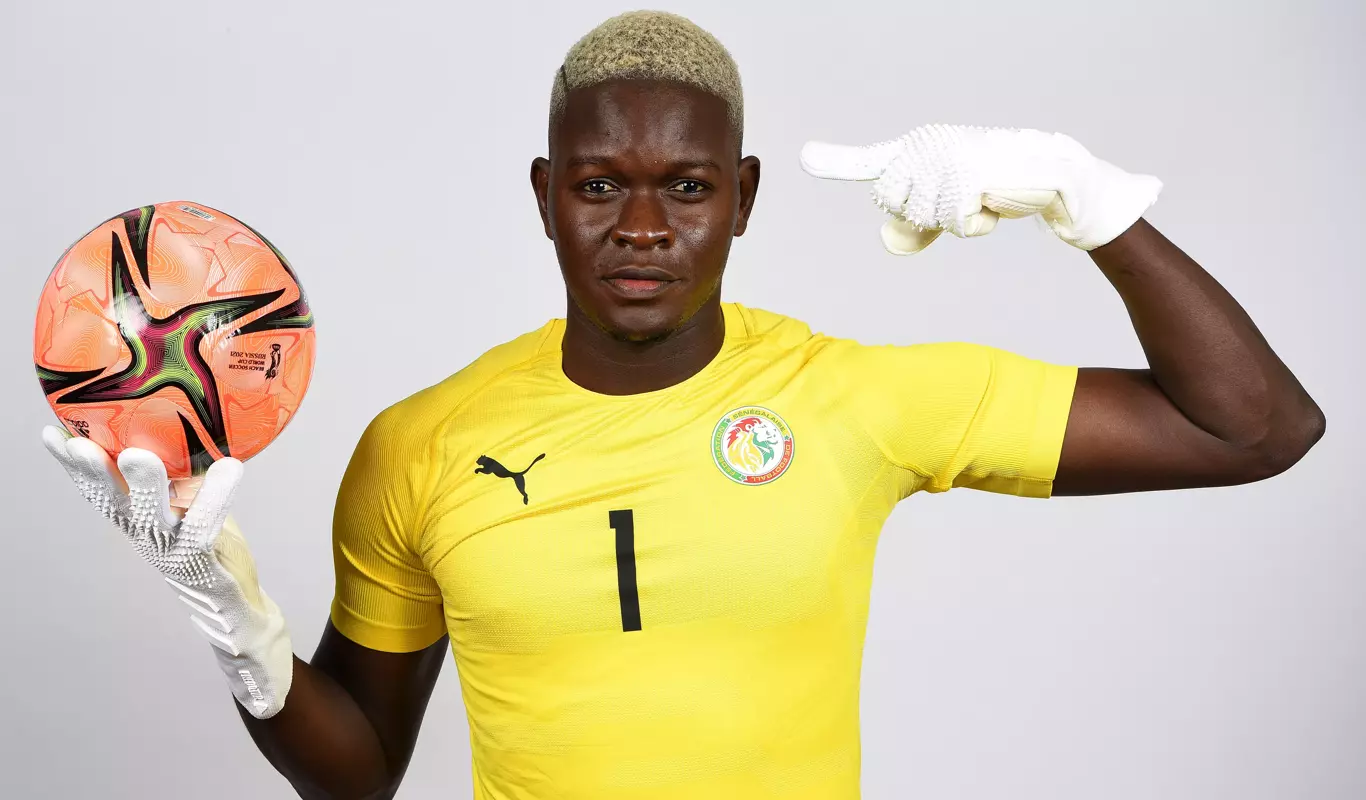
pixel 390 689
pixel 1125 435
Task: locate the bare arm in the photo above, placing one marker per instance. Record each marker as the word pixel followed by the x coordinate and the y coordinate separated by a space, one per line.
pixel 349 726
pixel 1216 406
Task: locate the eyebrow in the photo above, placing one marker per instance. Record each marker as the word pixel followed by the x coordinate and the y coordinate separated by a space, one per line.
pixel 687 163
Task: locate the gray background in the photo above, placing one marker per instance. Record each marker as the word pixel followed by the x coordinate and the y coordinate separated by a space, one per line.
pixel 1196 645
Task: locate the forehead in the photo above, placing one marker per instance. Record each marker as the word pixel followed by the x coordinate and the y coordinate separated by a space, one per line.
pixel 622 117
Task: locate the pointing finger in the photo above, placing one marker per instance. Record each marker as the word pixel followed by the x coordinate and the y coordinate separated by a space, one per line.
pixel 845 163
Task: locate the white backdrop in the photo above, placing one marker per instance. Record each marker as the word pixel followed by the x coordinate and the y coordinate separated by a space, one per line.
pixel 1200 645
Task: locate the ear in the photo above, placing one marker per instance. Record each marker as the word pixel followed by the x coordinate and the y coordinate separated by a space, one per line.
pixel 749 187
pixel 540 184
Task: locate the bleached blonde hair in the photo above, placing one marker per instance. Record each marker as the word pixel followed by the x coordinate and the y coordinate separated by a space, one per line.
pixel 651 45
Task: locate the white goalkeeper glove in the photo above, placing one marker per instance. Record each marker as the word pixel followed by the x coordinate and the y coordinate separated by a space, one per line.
pixel 963 179
pixel 202 556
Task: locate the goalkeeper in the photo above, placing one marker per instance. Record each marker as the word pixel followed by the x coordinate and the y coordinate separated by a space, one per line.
pixel 645 531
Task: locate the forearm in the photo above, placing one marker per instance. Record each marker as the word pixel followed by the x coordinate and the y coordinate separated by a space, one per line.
pixel 321 741
pixel 1205 353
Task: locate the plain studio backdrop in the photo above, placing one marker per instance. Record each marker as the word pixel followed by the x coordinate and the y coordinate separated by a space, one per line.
pixel 1197 645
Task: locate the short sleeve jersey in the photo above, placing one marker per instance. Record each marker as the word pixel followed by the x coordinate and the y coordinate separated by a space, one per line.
pixel 664 595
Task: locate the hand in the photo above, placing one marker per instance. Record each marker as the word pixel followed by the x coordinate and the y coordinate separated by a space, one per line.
pixel 202 556
pixel 963 179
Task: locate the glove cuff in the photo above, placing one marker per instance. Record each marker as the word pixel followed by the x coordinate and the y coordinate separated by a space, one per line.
pixel 250 641
pixel 1107 203
pixel 262 671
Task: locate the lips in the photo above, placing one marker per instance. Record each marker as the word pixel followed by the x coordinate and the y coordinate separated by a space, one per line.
pixel 639 282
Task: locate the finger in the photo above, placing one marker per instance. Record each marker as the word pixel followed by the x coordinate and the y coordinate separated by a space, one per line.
pixel 892 194
pixel 845 163
pixel 207 513
pixel 1018 203
pixel 980 224
pixel 54 439
pixel 95 475
pixel 902 238
pixel 148 492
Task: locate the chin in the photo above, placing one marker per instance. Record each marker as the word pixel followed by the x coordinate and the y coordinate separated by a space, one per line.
pixel 640 323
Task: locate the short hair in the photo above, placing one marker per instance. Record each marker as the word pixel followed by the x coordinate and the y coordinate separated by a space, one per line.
pixel 651 45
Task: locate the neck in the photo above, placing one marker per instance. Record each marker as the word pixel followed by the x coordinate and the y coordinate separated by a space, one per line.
pixel 600 363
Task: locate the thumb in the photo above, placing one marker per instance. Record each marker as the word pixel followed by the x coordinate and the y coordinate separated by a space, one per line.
pixel 845 163
pixel 235 557
pixel 902 238
pixel 210 507
pixel 979 224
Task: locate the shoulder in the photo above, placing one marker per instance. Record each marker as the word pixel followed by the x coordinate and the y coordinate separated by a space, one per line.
pixel 773 337
pixel 770 330
pixel 422 416
pixel 766 328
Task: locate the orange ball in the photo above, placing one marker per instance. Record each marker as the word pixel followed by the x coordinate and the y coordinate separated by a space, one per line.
pixel 177 329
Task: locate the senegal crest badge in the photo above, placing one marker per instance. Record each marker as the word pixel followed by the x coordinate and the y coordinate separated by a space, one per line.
pixel 752 445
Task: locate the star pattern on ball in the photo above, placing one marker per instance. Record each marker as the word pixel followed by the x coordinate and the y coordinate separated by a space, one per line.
pixel 166 351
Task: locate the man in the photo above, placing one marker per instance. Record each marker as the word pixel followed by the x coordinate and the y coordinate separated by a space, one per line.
pixel 648 529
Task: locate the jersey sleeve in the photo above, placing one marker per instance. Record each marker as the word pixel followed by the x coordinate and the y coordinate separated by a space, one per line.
pixel 385 597
pixel 953 414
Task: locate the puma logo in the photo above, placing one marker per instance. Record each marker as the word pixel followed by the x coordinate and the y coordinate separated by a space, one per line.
pixel 488 466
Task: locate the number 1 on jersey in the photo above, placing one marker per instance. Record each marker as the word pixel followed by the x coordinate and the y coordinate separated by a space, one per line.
pixel 623 522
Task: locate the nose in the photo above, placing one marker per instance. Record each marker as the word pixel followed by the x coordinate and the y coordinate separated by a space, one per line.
pixel 643 223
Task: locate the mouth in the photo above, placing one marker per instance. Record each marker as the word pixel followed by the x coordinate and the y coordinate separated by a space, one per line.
pixel 640 282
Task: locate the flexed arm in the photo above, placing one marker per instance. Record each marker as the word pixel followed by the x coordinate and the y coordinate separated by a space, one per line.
pixel 1216 405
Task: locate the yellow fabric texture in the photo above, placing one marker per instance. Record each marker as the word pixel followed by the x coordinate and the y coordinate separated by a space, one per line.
pixel 742 680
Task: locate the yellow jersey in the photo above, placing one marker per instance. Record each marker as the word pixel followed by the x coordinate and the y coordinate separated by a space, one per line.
pixel 664 595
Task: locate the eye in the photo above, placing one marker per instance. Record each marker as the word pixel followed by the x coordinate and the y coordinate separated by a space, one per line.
pixel 690 186
pixel 598 186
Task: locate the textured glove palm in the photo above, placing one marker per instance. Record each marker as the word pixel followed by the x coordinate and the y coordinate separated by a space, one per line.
pixel 963 179
pixel 202 556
